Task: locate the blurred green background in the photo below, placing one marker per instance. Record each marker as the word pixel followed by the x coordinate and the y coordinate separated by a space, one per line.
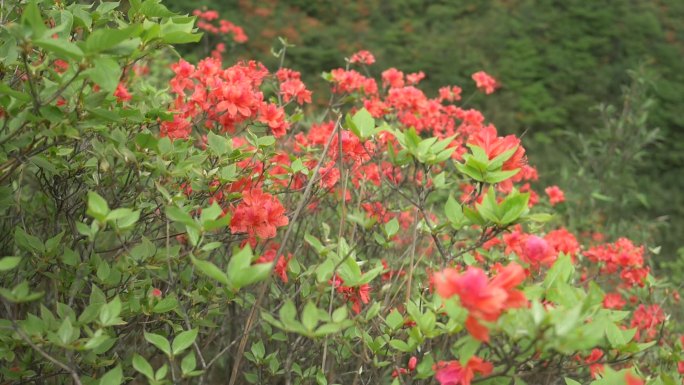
pixel 597 87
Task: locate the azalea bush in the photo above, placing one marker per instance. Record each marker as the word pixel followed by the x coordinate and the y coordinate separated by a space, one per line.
pixel 168 222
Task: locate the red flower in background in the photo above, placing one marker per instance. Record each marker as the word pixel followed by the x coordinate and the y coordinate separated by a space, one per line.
pixel 122 94
pixel 485 82
pixel 556 195
pixel 363 57
pixel 563 241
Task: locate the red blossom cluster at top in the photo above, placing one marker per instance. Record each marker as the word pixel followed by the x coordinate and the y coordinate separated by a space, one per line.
pixel 225 98
pixel 224 27
pixel 362 57
pixel 556 195
pixel 484 298
pixel 485 82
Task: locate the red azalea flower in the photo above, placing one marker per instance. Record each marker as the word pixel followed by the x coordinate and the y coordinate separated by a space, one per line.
pixel 452 373
pixel 122 94
pixel 485 82
pixel 613 301
pixel 363 56
pixel 258 215
pixel 156 293
pixel 556 195
pixel 537 252
pixel 485 299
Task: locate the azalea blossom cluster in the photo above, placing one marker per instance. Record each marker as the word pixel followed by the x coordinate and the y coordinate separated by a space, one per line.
pixel 206 23
pixel 621 256
pixel 223 98
pixel 536 251
pixel 453 373
pixel 485 298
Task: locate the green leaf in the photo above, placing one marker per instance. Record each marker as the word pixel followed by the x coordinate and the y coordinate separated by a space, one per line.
pixel 253 274
pixel 561 271
pixel 60 47
pixel 165 305
pixel 141 365
pixel 65 332
pixel 488 209
pixel 210 213
pixel 394 320
pixel 109 313
pixel 97 206
pixel 570 381
pixel 467 349
pixel 340 314
pixel 513 207
pixel 31 17
pixel 493 177
pixel 324 271
pixel 310 316
pixel 500 159
pixel 258 350
pixel 183 341
pixel 350 272
pixel 210 270
pixel 266 141
pixel 399 345
pixel 97 341
pixel 106 7
pixel 568 321
pixel 288 314
pixel 9 263
pixel 454 213
pixel 9 52
pixel 103 39
pixel 178 214
pixel 112 377
pixel 188 364
pixel 152 8
pixel 364 122
pixel 242 273
pixel 106 73
pixel 391 228
pixel 159 341
pixel 218 144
